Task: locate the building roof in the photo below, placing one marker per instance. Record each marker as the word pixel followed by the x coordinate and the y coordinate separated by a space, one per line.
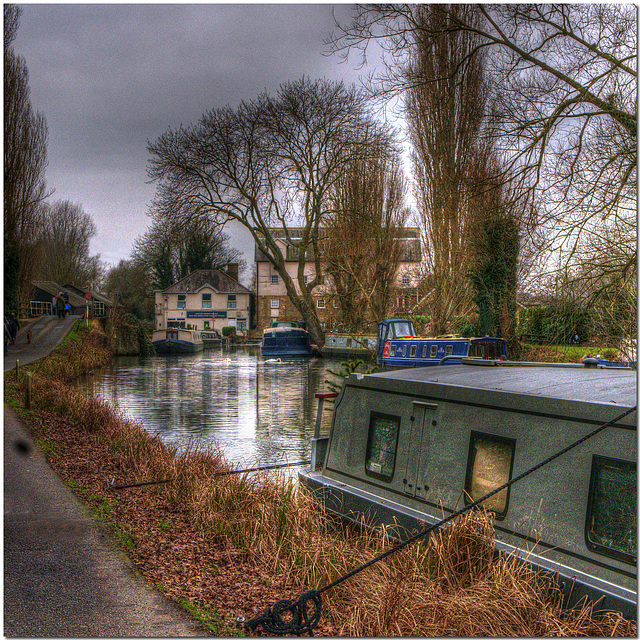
pixel 76 295
pixel 98 297
pixel 217 280
pixel 409 237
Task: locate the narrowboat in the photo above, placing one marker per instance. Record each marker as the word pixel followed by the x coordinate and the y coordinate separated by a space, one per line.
pixel 211 338
pixel 286 339
pixel 398 346
pixel 177 340
pixel 411 446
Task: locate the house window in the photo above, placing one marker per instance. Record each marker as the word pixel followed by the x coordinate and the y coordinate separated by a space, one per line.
pixel 406 280
pixel 275 279
pixel 275 303
pixel 489 467
pixel 182 301
pixel 241 324
pixel 434 351
pixel 206 301
pixel 320 303
pixel 382 445
pixel 231 301
pixel 612 521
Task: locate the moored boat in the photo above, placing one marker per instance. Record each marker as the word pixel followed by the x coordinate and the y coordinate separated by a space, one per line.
pixel 411 446
pixel 177 340
pixel 211 338
pixel 399 346
pixel 286 339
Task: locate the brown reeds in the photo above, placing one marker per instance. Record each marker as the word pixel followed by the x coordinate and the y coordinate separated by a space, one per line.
pixel 456 585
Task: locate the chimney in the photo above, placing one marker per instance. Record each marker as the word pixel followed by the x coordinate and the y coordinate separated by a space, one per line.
pixel 232 270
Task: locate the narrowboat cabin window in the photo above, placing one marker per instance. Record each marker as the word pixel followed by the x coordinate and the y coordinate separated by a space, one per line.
pixel 489 466
pixel 424 351
pixel 448 350
pixel 404 350
pixel 414 348
pixel 434 350
pixel 611 527
pixel 382 445
pixel 392 351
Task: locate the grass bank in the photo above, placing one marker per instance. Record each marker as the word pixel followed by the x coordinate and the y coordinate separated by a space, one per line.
pixel 226 547
pixel 563 353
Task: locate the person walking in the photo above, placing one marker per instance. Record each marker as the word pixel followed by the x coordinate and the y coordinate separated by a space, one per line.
pixel 60 305
pixel 14 325
pixel 7 335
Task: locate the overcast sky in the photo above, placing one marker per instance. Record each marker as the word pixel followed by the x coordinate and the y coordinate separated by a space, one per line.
pixel 108 78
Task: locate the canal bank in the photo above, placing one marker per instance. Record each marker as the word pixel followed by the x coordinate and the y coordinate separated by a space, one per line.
pixel 233 544
pixel 63 577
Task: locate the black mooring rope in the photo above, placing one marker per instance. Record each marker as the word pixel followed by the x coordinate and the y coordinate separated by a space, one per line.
pixel 271 619
pixel 268 467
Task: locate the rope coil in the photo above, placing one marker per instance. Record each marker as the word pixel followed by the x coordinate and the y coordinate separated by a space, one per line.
pixel 271 619
pixel 301 619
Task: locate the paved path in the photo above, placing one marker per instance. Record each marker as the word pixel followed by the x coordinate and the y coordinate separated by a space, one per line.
pixel 47 332
pixel 62 575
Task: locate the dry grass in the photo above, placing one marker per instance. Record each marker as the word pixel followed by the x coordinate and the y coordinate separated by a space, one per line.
pixel 454 586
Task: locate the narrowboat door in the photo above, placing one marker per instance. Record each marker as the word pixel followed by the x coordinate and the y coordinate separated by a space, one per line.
pixel 423 422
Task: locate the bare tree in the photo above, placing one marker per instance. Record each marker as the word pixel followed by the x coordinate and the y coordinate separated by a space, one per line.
pixel 128 285
pixel 565 79
pixel 25 160
pixel 12 15
pixel 445 117
pixel 269 163
pixel 362 244
pixel 65 237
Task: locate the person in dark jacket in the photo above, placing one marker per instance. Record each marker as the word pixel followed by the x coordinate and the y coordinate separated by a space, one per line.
pixel 7 335
pixel 60 305
pixel 14 325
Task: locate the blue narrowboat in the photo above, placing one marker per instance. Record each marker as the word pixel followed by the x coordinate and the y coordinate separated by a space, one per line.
pixel 398 346
pixel 284 338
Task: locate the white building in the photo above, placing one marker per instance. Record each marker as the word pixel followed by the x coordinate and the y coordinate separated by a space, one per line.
pixel 204 300
pixel 273 302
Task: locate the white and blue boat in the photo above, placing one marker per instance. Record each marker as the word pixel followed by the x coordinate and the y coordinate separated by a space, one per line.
pixel 398 346
pixel 284 338
pixel 177 340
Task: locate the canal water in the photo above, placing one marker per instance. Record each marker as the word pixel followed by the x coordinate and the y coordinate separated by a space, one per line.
pixel 257 411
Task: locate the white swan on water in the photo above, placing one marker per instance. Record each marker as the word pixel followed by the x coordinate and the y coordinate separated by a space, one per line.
pixel 274 360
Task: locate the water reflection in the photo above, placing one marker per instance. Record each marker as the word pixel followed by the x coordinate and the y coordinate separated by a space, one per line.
pixel 258 412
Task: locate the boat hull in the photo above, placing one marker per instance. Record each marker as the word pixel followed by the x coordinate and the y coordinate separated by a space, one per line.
pixel 177 340
pixel 401 522
pixel 176 346
pixel 280 342
pixel 410 447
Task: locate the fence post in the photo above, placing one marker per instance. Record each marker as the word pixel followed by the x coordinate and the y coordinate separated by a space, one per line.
pixel 27 394
pixel 17 369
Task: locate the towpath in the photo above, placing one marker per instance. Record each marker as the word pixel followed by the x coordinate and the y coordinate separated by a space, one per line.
pixel 62 575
